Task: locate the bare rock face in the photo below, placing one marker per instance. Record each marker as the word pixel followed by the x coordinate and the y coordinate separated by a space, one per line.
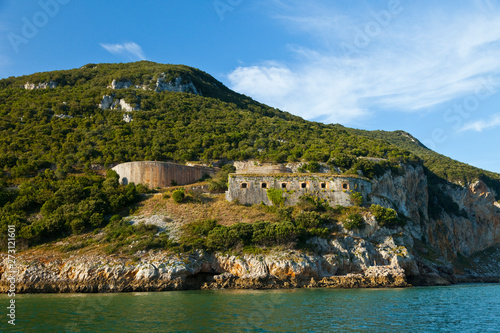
pixel 476 229
pixel 175 86
pixel 41 85
pixel 108 102
pixel 120 84
pixel 199 270
pixel 406 193
pixel 423 251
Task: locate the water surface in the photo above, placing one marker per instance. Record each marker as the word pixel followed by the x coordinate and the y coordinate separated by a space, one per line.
pixel 459 308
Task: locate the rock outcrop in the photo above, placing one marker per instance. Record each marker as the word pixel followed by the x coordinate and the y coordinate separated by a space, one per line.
pixel 41 85
pixel 199 270
pixel 109 102
pixel 460 245
pixel 175 86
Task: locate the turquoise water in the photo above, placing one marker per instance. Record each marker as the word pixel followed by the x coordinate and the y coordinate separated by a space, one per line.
pixel 459 308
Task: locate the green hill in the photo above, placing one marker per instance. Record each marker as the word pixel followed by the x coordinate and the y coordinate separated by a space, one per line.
pixel 51 137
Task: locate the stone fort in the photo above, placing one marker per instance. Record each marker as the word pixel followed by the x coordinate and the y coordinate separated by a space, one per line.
pixel 161 174
pixel 249 185
pixel 252 180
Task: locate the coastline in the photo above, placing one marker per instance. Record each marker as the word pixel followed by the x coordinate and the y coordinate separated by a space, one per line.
pixel 163 271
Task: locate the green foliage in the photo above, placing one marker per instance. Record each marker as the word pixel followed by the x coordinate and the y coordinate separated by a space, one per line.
pixel 242 231
pixel 41 152
pixel 201 228
pixel 70 206
pixel 356 198
pixel 276 197
pixel 178 195
pixel 210 235
pixel 354 221
pixel 219 183
pixel 439 168
pixel 220 238
pixel 386 217
pixel 310 167
pixel 220 124
pixel 310 202
pixel 308 220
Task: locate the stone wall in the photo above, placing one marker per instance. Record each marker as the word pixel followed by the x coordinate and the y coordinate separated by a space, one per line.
pixel 252 189
pixel 161 174
pixel 253 167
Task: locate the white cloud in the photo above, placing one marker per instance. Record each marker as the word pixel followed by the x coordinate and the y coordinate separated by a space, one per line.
pixel 481 125
pixel 408 62
pixel 129 49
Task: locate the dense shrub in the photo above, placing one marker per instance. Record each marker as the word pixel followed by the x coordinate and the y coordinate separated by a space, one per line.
pixel 309 202
pixel 220 238
pixel 354 221
pixel 70 206
pixel 386 217
pixel 356 198
pixel 242 231
pixel 201 228
pixel 276 197
pixel 308 220
pixel 178 195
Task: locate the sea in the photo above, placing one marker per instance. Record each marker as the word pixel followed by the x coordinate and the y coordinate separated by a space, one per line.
pixel 457 308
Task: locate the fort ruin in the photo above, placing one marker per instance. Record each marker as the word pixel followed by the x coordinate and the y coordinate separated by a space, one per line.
pixel 161 174
pixel 251 189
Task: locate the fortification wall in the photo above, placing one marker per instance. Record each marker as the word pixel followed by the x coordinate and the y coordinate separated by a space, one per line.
pixel 252 189
pixel 161 174
pixel 253 167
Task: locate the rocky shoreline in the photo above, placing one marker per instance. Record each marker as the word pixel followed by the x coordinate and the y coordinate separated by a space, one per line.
pixel 195 271
pixel 424 252
pixel 162 271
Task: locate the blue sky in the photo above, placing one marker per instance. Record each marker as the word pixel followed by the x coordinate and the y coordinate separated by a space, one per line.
pixel 430 69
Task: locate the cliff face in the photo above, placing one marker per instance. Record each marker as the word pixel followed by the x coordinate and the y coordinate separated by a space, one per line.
pixel 427 250
pixel 472 228
pixel 200 270
pixel 477 231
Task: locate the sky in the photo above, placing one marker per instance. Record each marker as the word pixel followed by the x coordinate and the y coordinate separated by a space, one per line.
pixel 430 69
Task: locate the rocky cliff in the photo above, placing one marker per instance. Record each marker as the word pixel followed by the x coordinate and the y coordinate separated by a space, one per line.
pixel 440 248
pixel 200 270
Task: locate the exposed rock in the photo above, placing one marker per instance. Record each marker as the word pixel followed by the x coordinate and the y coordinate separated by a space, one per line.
pixel 175 86
pixel 108 102
pixel 63 116
pixel 127 118
pixel 120 84
pixel 426 251
pixel 41 85
pixel 199 270
pixel 124 106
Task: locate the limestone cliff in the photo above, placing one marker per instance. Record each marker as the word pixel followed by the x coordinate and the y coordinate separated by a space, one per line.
pixel 439 248
pixel 473 226
pixel 199 270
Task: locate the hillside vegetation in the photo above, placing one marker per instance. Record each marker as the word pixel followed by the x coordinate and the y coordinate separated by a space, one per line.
pixel 51 140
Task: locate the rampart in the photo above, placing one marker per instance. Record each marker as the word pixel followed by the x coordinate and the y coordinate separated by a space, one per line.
pixel 335 189
pixel 161 174
pixel 248 167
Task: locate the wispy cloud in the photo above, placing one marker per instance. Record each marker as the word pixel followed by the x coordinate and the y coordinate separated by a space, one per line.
pixel 482 124
pixel 129 49
pixel 409 61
